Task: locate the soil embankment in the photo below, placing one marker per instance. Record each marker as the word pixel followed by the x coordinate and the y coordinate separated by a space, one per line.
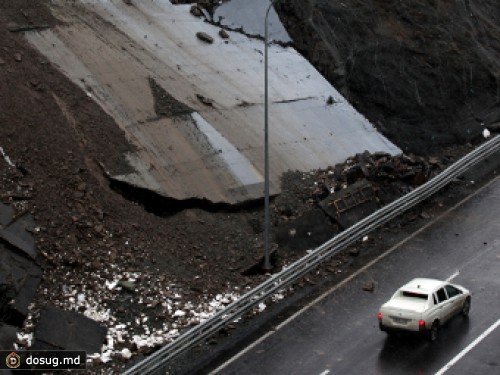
pixel 425 72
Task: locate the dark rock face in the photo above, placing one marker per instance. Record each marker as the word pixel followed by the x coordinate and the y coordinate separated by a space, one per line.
pixel 426 73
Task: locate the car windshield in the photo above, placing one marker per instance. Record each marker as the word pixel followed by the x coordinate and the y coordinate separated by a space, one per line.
pixel 421 296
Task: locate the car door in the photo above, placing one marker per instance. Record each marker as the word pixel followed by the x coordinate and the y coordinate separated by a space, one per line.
pixel 443 308
pixel 434 310
pixel 454 298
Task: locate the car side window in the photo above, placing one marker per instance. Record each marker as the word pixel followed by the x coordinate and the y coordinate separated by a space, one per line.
pixel 435 300
pixel 452 291
pixel 441 295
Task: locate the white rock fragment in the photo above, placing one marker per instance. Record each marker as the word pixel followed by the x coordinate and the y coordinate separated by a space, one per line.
pixel 140 342
pixel 94 357
pixel 486 133
pixel 179 313
pixel 365 238
pixel 106 356
pixel 125 353
pixel 24 339
pixel 111 342
pixel 6 157
pixel 262 306
pixel 278 297
pixel 111 284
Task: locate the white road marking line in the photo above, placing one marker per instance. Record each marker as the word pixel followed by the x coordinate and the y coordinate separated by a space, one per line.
pixel 453 276
pixel 325 372
pixel 468 348
pixel 346 280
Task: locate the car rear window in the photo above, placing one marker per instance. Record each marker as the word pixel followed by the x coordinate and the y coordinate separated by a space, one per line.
pixel 414 295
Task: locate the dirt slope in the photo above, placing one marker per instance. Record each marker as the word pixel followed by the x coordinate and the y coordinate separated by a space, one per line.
pixel 426 72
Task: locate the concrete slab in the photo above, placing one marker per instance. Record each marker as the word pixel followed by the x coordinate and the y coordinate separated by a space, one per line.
pixel 59 329
pixel 113 51
pixel 21 278
pixel 16 230
pixel 7 336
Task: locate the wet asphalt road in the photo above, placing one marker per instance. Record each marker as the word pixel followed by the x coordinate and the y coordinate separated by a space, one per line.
pixel 340 335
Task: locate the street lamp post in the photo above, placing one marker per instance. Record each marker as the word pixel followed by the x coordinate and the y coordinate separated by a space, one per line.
pixel 267 262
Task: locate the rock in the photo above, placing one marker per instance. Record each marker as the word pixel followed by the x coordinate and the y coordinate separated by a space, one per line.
pixel 129 286
pixel 128 2
pixel 354 252
pixel 434 161
pixel 369 286
pixel 125 354
pixel 223 34
pixel 18 57
pixel 205 100
pixel 204 37
pixel 196 11
pixel 2 61
pixel 425 215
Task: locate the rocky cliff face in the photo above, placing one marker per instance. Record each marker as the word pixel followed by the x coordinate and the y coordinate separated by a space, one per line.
pixel 425 72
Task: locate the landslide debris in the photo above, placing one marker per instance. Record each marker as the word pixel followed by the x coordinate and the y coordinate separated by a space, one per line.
pixel 137 273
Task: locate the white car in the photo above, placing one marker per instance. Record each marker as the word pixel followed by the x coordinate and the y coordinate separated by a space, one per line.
pixel 423 305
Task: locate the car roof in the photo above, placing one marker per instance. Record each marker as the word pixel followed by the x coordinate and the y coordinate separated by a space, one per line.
pixel 422 285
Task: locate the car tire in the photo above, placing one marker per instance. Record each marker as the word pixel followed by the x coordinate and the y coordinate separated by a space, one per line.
pixel 466 307
pixel 433 332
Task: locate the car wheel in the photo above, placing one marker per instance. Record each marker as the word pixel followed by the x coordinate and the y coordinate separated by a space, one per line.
pixel 466 307
pixel 433 332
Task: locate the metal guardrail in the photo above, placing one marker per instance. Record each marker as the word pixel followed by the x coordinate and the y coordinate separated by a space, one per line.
pixel 309 262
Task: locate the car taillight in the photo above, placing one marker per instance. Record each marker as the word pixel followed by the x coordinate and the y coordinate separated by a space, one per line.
pixel 379 316
pixel 421 323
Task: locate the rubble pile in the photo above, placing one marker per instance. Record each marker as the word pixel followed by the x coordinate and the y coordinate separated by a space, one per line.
pixel 401 172
pixel 389 176
pixel 314 206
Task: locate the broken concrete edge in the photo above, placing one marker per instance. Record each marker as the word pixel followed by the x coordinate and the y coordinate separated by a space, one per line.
pixel 16 229
pixel 61 329
pixel 223 32
pixel 8 336
pixel 19 281
pixel 22 246
pixel 155 200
